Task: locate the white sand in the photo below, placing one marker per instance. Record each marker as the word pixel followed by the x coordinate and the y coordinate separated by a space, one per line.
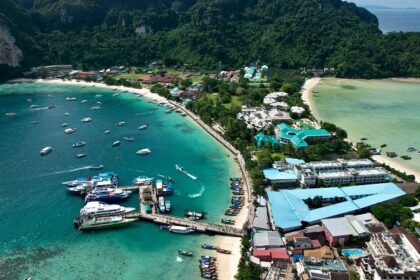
pixel 227 265
pixel 396 165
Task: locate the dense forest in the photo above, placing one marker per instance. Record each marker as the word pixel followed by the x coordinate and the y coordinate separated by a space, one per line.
pixel 207 33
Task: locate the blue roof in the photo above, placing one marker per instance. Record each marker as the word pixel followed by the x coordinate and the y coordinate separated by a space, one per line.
pixel 297 137
pixel 275 174
pixel 294 161
pixel 289 209
pixel 261 139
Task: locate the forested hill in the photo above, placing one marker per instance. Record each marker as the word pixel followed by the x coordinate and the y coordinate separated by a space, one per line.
pixel 285 33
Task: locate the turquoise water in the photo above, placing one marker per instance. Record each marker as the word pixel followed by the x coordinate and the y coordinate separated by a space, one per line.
pixel 384 111
pixel 351 252
pixel 37 236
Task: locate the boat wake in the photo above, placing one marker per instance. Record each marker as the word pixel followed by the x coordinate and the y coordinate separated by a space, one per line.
pixel 200 193
pixel 65 171
pixel 179 259
pixel 190 175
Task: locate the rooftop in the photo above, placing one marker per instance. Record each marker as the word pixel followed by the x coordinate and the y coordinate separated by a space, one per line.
pixel 273 174
pixel 267 239
pixel 289 209
pixel 297 137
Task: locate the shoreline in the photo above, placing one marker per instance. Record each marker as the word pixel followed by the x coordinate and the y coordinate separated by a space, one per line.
pixel 228 264
pixel 307 98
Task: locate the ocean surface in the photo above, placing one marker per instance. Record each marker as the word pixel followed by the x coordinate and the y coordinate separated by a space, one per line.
pixel 395 20
pixel 384 111
pixel 37 237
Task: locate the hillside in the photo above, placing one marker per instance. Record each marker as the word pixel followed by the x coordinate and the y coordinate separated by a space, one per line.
pixel 284 33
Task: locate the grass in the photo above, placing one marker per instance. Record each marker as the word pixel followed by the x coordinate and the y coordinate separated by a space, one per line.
pixel 235 102
pixel 130 76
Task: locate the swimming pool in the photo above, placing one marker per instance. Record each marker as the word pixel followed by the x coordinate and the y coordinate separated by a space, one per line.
pixel 351 252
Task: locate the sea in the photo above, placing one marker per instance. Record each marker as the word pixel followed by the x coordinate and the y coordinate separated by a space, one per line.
pixel 396 20
pixel 37 237
pixel 384 111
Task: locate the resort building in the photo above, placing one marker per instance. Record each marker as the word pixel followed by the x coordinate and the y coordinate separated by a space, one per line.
pixel 49 71
pixel 297 110
pixel 393 256
pixel 300 138
pixel 260 119
pixel 289 209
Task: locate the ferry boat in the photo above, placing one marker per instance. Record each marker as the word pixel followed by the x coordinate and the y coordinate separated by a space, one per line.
pixel 121 124
pixel 71 98
pixel 64 124
pixel 108 195
pixel 88 119
pixel 142 180
pixel 129 139
pixel 161 204
pixel 185 253
pixel 107 131
pixel 98 209
pixel 143 126
pixel 79 144
pixel 96 167
pixel 116 143
pixel 81 155
pixel 167 206
pixel 102 223
pixel 145 151
pixel 46 150
pixel 181 229
pixel 69 130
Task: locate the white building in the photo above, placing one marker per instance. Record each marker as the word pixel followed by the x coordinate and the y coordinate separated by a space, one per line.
pixel 259 118
pixel 297 110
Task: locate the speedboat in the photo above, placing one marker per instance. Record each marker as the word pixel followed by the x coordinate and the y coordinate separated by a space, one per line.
pixel 95 108
pixel 145 151
pixel 97 209
pixel 71 98
pixel 33 106
pixel 80 155
pixel 142 180
pixel 121 124
pixel 96 167
pixel 179 168
pixel 110 195
pixel 161 204
pixel 64 124
pixel 46 150
pixel 51 106
pixel 69 130
pixel 77 182
pixel 102 222
pixel 167 206
pixel 116 143
pixel 143 126
pixel 181 229
pixel 88 119
pixel 79 144
pixel 80 189
pixel 129 139
pixel 107 131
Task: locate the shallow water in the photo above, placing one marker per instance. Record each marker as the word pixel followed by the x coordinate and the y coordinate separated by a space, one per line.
pixel 37 237
pixel 384 111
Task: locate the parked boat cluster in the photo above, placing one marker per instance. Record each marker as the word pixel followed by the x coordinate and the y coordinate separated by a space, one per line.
pixel 208 267
pixel 237 201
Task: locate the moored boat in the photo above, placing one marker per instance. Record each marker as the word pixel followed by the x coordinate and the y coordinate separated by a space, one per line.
pixel 64 124
pixel 228 221
pixel 143 126
pixel 98 209
pixel 46 150
pixel 208 247
pixel 95 108
pixel 120 123
pixel 142 180
pixel 197 215
pixel 167 206
pixel 181 229
pixel 129 139
pixel 88 119
pixel 102 222
pixel 116 143
pixel 71 98
pixel 145 151
pixel 161 204
pixel 79 144
pixel 185 253
pixel 108 195
pixel 107 131
pixel 69 130
pixel 81 155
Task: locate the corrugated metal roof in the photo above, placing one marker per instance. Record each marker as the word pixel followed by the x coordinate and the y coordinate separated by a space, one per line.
pixel 275 174
pixel 261 219
pixel 267 239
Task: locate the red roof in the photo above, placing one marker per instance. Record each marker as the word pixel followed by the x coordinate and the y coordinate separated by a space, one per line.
pixel 272 254
pixel 316 243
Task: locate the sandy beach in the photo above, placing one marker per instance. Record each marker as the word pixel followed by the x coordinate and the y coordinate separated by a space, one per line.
pixel 306 91
pixel 227 264
pixel 388 161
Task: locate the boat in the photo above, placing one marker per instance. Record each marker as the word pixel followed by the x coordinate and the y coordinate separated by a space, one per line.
pixel 81 189
pixel 159 187
pixel 161 204
pixel 142 180
pixel 179 168
pixel 98 95
pixel 10 114
pixel 95 108
pixel 46 150
pixel 383 145
pixel 96 167
pixel 71 98
pixel 79 144
pixel 143 126
pixel 167 189
pixel 405 157
pixel 197 215
pixel 102 222
pixel 223 251
pixel 64 124
pixel 110 195
pixel 181 229
pixel 129 139
pixel 116 143
pixel 88 119
pixel 145 151
pixel 228 222
pixel 391 154
pixel 208 247
pixel 363 139
pixel 69 130
pixel 185 253
pixel 98 209
pixel 33 106
pixel 121 124
pixel 83 101
pixel 107 131
pixel 51 106
pixel 411 149
pixel 66 114
pixel 34 122
pixel 167 206
pixel 80 155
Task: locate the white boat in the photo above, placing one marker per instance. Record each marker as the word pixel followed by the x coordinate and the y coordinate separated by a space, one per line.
pixel 142 180
pixel 83 101
pixel 95 108
pixel 116 143
pixel 129 139
pixel 80 155
pixel 107 131
pixel 181 229
pixel 145 151
pixel 143 126
pixel 71 98
pixel 97 209
pixel 64 124
pixel 66 114
pixel 69 130
pixel 46 150
pixel 161 204
pixel 88 119
pixel 103 222
pixel 79 144
pixel 121 124
pixel 159 187
pixel 33 106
